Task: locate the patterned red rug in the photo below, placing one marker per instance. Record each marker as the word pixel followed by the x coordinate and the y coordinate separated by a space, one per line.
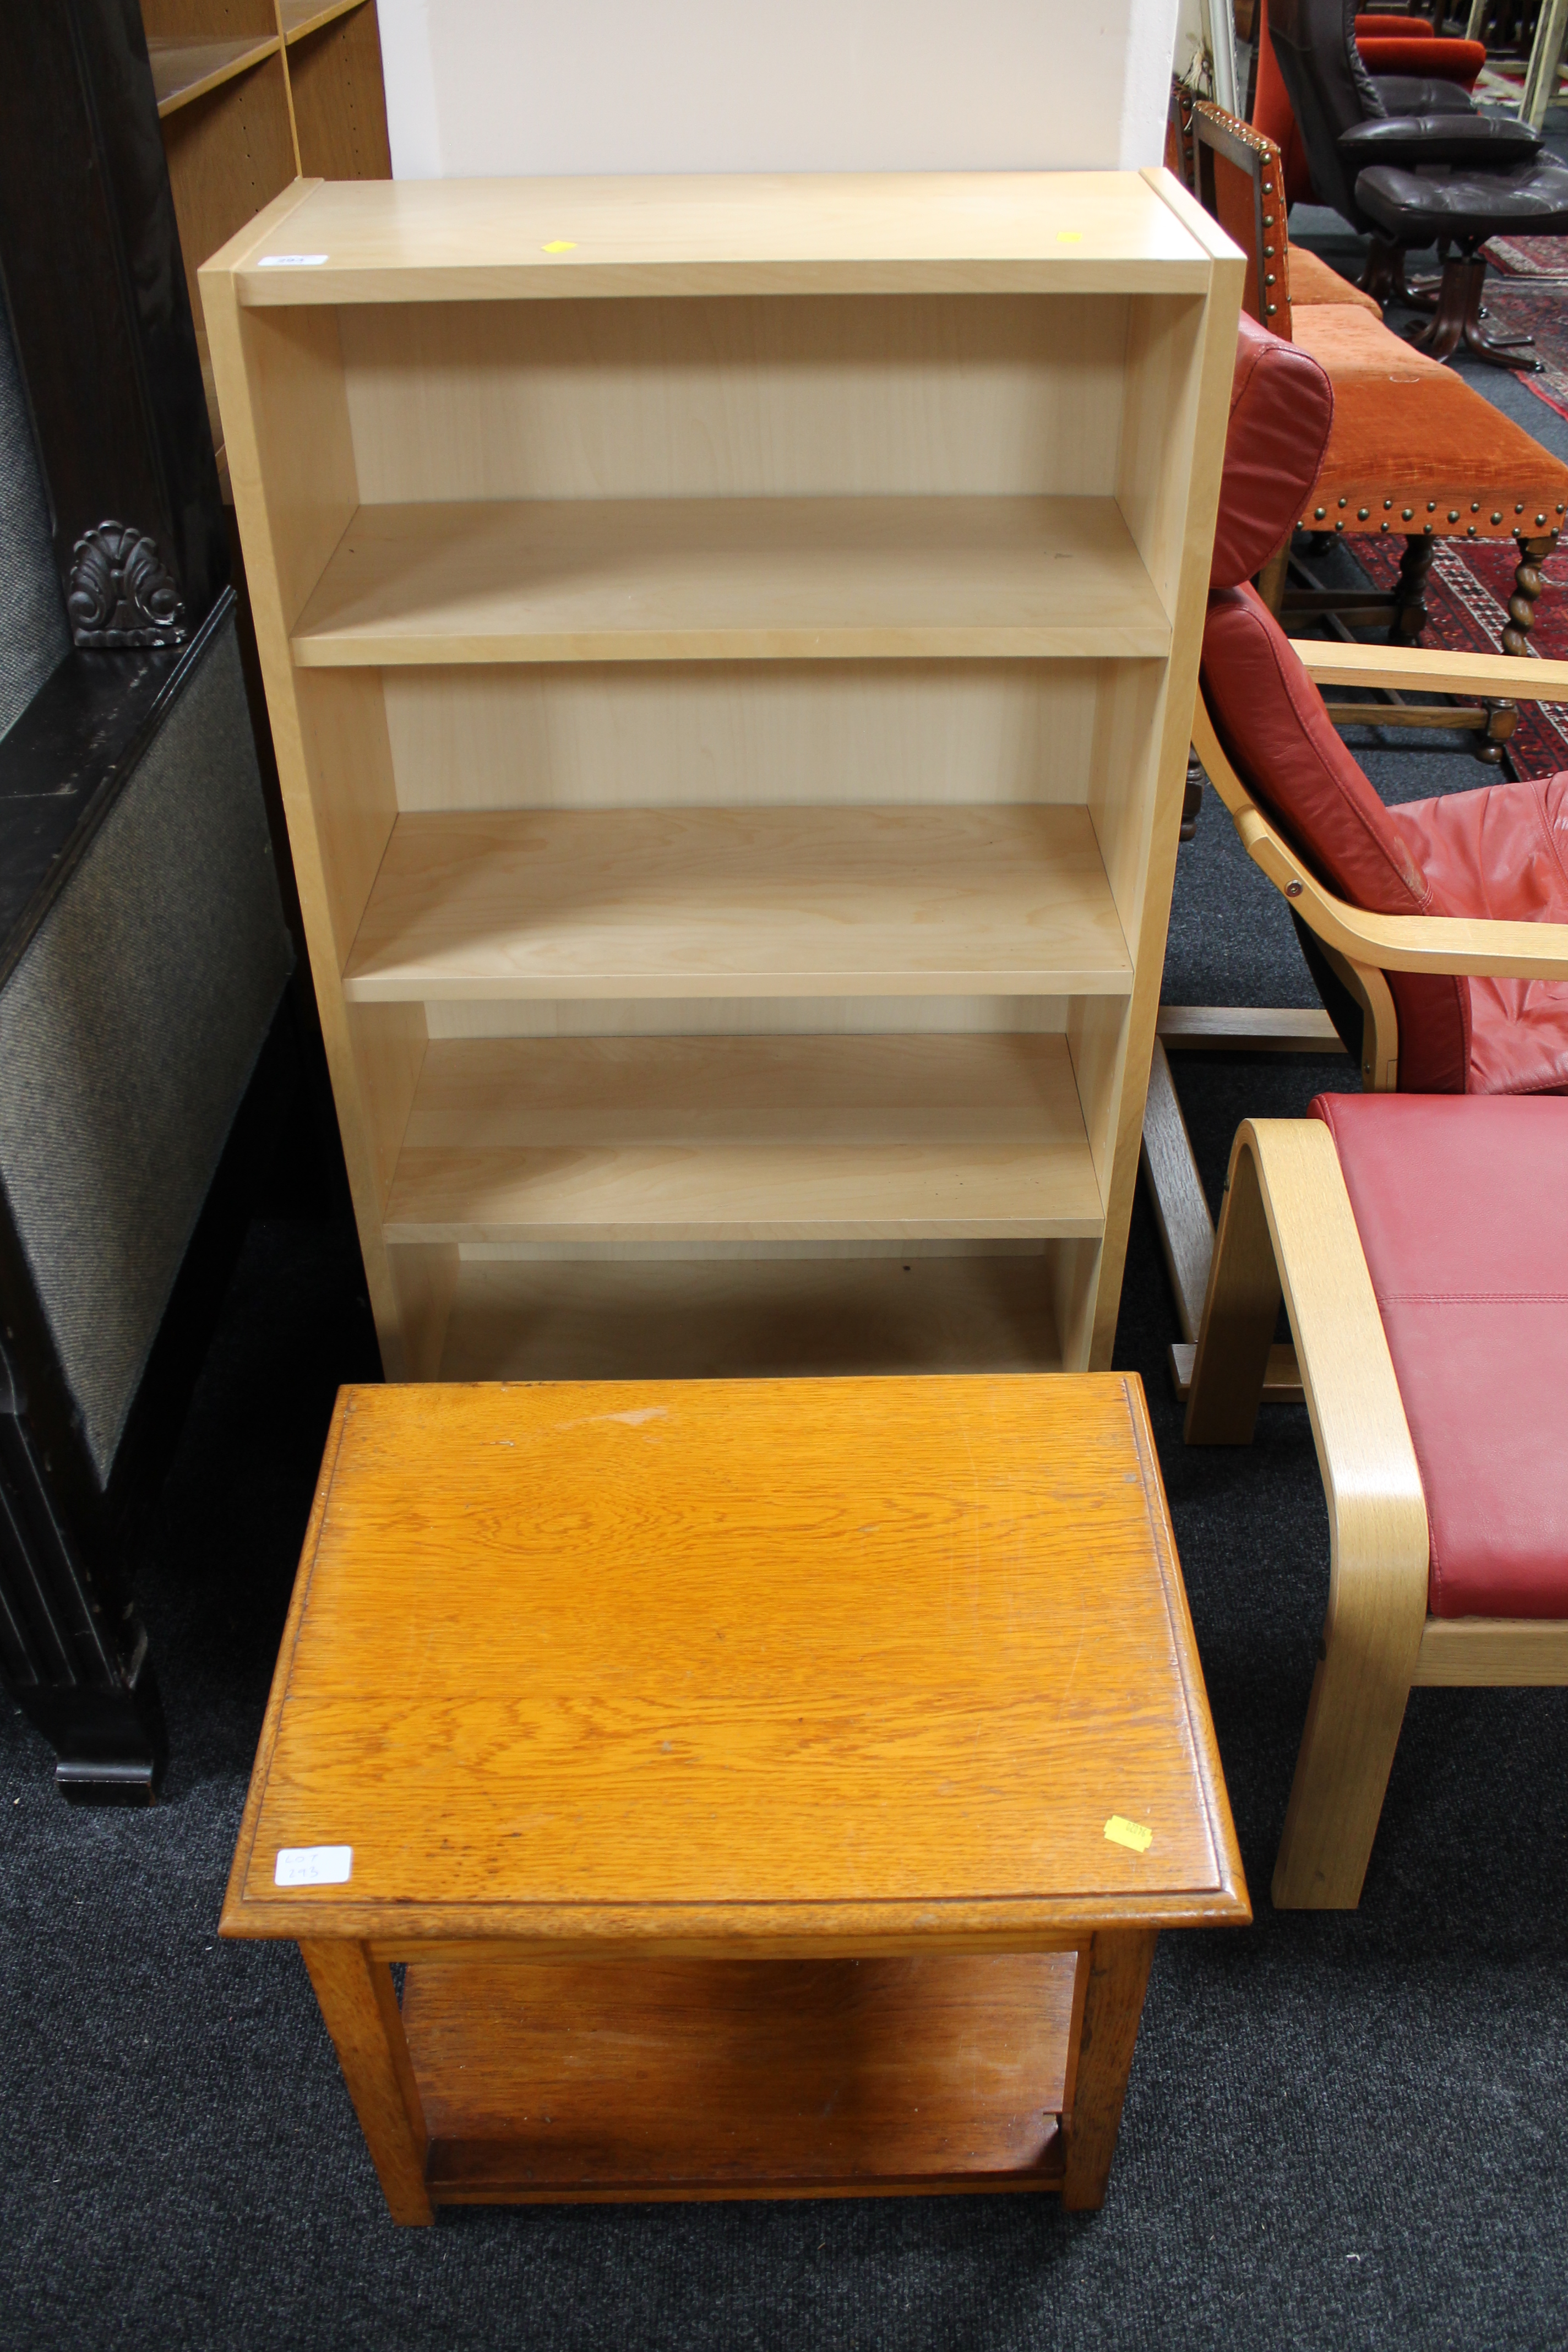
pixel 1467 591
pixel 1469 587
pixel 1529 257
pixel 1527 294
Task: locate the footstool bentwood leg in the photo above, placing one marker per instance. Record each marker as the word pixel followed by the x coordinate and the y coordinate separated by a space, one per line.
pixel 1287 1223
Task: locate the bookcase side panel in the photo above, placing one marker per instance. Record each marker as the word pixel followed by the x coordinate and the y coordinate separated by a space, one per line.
pixel 229 153
pixel 280 381
pixel 1181 358
pixel 736 396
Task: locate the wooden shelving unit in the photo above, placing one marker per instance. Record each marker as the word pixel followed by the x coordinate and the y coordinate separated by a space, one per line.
pixel 250 94
pixel 731 647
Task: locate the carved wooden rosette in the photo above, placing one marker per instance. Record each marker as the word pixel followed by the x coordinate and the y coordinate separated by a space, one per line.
pixel 121 591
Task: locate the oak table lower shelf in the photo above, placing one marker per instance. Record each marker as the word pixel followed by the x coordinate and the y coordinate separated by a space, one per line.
pixel 596 2080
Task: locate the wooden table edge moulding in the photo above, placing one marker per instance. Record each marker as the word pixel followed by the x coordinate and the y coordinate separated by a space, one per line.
pixel 731 646
pixel 985 1564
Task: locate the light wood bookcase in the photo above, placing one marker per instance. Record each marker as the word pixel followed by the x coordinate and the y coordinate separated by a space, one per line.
pixel 731 647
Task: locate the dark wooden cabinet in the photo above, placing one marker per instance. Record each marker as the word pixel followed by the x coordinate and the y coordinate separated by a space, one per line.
pixel 150 1045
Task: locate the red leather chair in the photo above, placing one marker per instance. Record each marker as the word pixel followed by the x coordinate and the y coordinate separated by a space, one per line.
pixel 1419 1242
pixel 1437 932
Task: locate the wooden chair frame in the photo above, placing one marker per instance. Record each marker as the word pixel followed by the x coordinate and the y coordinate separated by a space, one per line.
pixel 1359 947
pixel 1287 1226
pixel 1286 585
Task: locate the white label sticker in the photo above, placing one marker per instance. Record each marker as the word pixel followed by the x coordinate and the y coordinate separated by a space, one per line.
pixel 314 1865
pixel 291 261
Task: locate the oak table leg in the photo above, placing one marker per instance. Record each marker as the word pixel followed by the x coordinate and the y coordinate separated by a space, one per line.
pixel 1117 1978
pixel 359 2003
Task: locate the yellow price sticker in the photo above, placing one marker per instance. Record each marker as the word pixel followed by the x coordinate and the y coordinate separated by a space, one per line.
pixel 1069 236
pixel 559 245
pixel 1121 1832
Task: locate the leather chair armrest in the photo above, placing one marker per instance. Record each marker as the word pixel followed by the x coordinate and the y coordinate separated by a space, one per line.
pixel 1409 142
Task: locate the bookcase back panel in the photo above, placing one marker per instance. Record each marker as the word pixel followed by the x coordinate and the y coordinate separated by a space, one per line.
pixel 750 1016
pixel 589 1254
pixel 635 735
pixel 734 397
pixel 709 1317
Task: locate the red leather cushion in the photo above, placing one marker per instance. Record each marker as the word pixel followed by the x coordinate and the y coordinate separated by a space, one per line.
pixel 1271 722
pixel 1426 61
pixel 1502 851
pixel 1281 408
pixel 1462 1211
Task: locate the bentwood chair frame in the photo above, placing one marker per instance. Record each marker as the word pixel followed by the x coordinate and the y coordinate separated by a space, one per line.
pixel 1360 948
pixel 1286 1227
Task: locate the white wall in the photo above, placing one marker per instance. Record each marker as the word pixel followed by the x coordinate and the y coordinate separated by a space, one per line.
pixel 476 87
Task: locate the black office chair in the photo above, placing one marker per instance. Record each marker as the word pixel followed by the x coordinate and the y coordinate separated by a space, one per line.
pixel 1449 179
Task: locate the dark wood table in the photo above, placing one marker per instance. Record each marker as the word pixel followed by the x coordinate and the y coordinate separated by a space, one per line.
pixel 775 1788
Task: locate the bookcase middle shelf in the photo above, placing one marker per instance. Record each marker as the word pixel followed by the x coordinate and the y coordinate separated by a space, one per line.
pixel 709 579
pixel 688 902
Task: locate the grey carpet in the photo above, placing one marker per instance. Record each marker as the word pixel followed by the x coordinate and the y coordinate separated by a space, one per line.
pixel 1342 2131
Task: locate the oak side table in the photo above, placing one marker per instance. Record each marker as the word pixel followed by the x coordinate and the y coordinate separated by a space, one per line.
pixel 775 1787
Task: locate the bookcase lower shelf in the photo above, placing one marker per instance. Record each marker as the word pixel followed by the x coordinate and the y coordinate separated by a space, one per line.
pixel 745 1139
pixel 565 2079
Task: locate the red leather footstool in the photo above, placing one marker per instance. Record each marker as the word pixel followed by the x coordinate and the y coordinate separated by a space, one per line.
pixel 1421 1242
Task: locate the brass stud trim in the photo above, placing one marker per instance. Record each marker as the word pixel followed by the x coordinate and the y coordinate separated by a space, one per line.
pixel 1409 515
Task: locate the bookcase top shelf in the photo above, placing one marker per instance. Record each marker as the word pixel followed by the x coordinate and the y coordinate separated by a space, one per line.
pixel 937 233
pixel 714 579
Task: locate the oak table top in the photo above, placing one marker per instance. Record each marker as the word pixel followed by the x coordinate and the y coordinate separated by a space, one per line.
pixel 775 1786
pixel 643 1661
